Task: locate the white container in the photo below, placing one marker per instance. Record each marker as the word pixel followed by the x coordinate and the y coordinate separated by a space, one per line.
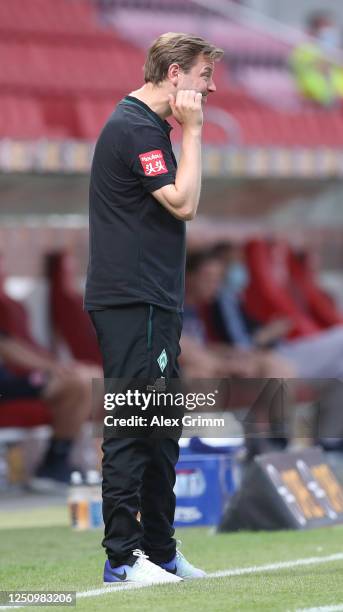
pixel 78 502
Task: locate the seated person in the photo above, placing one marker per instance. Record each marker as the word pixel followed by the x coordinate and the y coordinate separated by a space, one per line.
pixel 67 391
pixel 318 76
pixel 318 358
pixel 204 354
pixel 204 279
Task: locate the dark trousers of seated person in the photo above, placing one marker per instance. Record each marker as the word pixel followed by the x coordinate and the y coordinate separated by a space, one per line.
pixel 14 387
pixel 138 473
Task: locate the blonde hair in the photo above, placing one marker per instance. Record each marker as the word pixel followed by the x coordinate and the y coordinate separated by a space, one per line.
pixel 176 48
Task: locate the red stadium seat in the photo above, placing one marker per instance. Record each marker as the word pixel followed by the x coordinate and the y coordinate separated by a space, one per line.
pixel 66 308
pixel 265 299
pixel 14 321
pixel 318 303
pixel 76 69
pixel 24 413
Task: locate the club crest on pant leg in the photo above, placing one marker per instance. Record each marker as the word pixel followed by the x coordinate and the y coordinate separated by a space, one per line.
pixel 162 360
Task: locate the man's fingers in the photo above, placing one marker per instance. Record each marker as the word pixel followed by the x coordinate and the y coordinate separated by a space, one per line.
pixel 198 99
pixel 190 97
pixel 181 97
pixel 171 99
pixel 187 96
pixel 188 107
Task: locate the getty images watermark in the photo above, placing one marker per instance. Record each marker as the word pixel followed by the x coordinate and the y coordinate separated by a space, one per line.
pixel 219 408
pixel 160 409
pixel 145 400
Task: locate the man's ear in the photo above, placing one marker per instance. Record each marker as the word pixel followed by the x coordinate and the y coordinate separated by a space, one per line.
pixel 173 73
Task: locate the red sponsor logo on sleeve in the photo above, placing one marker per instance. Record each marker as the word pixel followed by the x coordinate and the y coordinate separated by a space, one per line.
pixel 153 163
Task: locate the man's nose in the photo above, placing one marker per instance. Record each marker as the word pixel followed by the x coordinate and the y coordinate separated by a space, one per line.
pixel 212 87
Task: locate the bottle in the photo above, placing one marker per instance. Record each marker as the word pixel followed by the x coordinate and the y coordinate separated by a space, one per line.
pixel 3 467
pixel 78 502
pixel 93 481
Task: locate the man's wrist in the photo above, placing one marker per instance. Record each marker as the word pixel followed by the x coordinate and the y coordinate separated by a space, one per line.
pixel 193 130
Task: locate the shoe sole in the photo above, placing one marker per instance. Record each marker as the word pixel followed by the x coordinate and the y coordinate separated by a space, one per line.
pixel 109 584
pixel 193 577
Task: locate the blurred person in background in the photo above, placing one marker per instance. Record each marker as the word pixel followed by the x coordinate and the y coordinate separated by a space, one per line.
pixel 206 354
pixel 318 76
pixel 66 392
pixel 235 326
pixel 64 385
pixel 205 275
pixel 319 356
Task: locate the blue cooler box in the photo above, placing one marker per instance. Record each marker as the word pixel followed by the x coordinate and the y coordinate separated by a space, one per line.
pixel 204 483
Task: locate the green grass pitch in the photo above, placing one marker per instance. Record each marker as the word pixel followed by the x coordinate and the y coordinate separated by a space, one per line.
pixel 39 551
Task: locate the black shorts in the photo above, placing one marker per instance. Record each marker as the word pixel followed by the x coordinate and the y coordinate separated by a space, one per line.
pixel 13 387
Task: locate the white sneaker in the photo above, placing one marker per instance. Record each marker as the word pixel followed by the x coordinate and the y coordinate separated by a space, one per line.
pixel 179 566
pixel 142 572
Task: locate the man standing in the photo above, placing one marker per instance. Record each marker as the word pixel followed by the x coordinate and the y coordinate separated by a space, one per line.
pixel 139 202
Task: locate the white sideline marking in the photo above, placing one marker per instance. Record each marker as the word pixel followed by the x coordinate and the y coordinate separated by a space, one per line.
pixel 222 574
pixel 336 608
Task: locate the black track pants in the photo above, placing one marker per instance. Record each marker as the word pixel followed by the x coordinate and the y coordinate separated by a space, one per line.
pixel 138 473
